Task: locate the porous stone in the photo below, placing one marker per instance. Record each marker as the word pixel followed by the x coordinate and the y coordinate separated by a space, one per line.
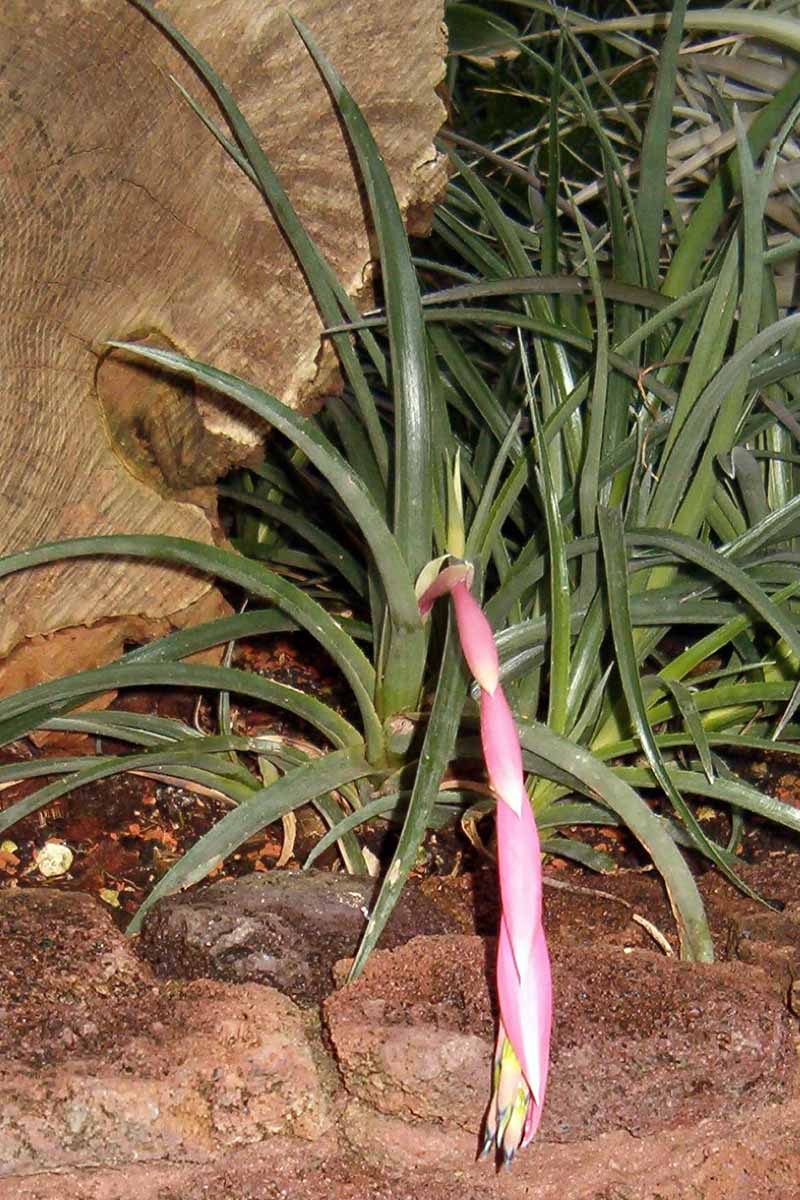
pixel 101 1065
pixel 70 982
pixel 210 1089
pixel 641 1042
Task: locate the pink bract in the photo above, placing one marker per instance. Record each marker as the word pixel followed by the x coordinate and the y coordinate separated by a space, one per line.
pixel 501 750
pixel 520 874
pixel 476 637
pixel 526 1006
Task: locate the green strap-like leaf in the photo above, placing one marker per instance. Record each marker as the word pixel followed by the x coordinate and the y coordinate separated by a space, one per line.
pixel 304 433
pixel 332 552
pixel 668 741
pixel 716 564
pixel 653 169
pixel 187 763
pixel 616 567
pixel 493 507
pixel 559 609
pixel 730 791
pixel 402 664
pixel 524 285
pixel 77 688
pixel 725 706
pixel 142 729
pixel 580 852
pixel 685 703
pixel 412 466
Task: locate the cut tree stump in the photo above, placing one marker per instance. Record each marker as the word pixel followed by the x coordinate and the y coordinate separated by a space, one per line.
pixel 123 218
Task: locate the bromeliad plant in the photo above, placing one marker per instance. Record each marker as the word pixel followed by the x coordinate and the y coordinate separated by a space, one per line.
pixel 643 482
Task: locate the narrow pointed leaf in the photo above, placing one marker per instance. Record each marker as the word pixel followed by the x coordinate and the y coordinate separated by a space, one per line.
pixel 409 370
pixel 612 539
pixel 225 565
pixel 440 736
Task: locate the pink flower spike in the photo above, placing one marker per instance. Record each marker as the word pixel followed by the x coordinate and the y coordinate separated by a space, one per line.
pixel 501 750
pixel 524 987
pixel 476 637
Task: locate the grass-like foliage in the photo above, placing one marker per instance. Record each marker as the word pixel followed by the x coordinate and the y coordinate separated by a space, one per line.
pixel 604 352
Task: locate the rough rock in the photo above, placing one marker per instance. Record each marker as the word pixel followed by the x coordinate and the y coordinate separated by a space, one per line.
pixel 232 1067
pixel 767 937
pixel 644 1043
pixel 641 1042
pixel 70 984
pixel 185 1091
pixel 749 1158
pixel 102 1066
pixel 752 1157
pixel 283 928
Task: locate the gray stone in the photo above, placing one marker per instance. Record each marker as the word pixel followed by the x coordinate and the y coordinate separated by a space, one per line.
pixel 285 929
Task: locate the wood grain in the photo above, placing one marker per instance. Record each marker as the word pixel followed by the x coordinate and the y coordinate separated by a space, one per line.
pixel 122 217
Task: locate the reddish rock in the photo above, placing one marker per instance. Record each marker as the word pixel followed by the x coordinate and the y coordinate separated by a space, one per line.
pixel 641 1042
pixel 413 1035
pixel 101 1065
pixel 70 983
pixel 231 1067
pixel 201 1089
pixel 647 1043
pixel 749 1158
pixel 753 1157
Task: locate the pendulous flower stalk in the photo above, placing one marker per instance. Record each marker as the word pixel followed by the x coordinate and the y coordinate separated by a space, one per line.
pixel 524 986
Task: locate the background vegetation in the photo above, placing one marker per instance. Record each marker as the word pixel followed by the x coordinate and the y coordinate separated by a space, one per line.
pixel 599 339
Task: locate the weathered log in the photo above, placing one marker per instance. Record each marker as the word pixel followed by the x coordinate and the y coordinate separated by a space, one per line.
pixel 122 217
